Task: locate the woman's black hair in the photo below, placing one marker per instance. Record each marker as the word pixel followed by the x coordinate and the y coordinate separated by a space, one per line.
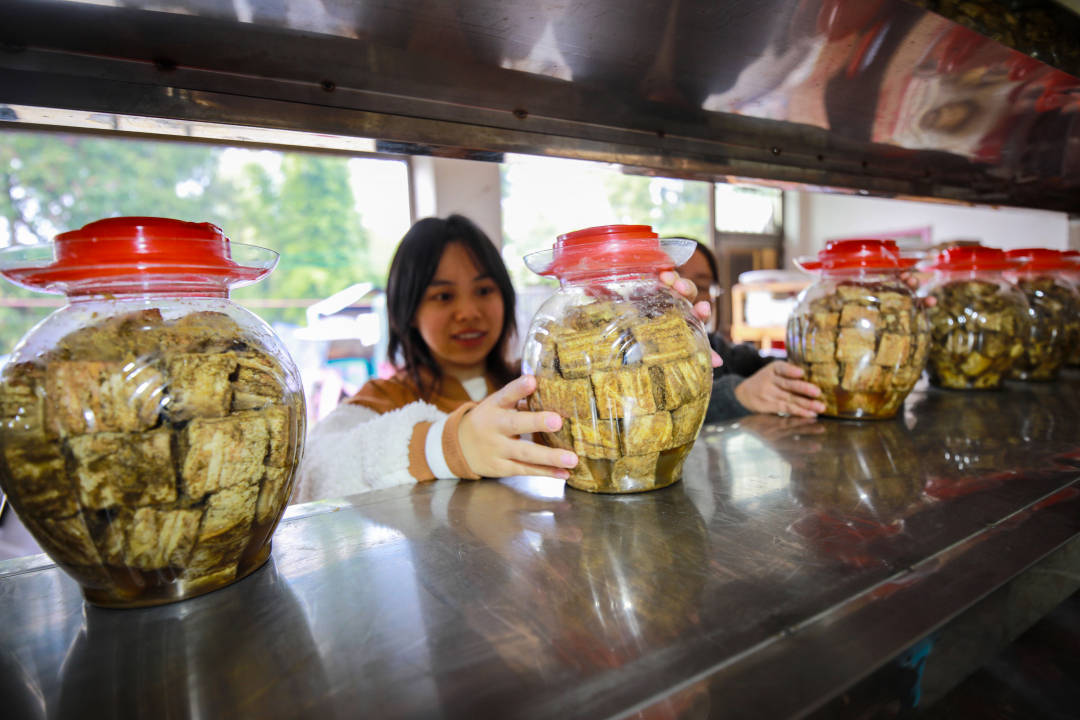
pixel 411 271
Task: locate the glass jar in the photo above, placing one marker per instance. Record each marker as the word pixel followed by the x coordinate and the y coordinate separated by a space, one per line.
pixel 620 356
pixel 1055 312
pixel 859 332
pixel 150 428
pixel 978 322
pixel 1073 276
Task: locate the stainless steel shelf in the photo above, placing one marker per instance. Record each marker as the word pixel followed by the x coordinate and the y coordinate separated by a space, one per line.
pixel 795 561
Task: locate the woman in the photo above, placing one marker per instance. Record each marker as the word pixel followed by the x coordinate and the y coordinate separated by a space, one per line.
pixel 746 382
pixel 451 315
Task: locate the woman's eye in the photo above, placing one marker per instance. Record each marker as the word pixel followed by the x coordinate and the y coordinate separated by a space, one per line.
pixel 442 297
pixel 485 290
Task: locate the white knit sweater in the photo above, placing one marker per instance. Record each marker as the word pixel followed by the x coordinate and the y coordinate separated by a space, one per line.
pixel 354 449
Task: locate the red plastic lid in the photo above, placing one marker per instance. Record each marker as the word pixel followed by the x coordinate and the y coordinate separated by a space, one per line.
pixel 967 258
pixel 137 255
pixel 858 254
pixel 609 250
pixel 1040 260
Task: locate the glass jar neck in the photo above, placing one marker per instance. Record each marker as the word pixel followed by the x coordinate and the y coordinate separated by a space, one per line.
pixel 147 295
pixel 608 279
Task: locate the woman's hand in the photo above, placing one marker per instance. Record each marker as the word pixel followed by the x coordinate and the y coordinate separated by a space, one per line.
pixel 687 289
pixel 489 436
pixel 778 388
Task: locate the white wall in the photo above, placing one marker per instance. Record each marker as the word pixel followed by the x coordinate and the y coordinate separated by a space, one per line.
pixel 442 186
pixel 818 217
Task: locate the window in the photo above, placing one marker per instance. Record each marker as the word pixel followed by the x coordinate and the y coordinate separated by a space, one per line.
pixel 335 218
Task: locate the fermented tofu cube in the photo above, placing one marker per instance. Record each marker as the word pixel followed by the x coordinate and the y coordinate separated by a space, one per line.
pixel 543 360
pixel 229 509
pixel 259 382
pixel 892 350
pixel 856 294
pixel 222 452
pixel 225 530
pixel 37 479
pixel 825 320
pixel 586 475
pixel 124 468
pixel 975 364
pixel 22 399
pixel 895 302
pixel 624 393
pixel 598 438
pixel 122 337
pixel 581 353
pixel 563 438
pixel 825 375
pixel 864 378
pixel 161 538
pixel 199 385
pixel 922 350
pixel 820 345
pixel 686 421
pixel 644 434
pixel 996 321
pixel 66 540
pixel 635 470
pixel 858 316
pixel 112 539
pixel 682 380
pixel 206 332
pixel 84 397
pixel 664 339
pixel 906 375
pixel 275 489
pixel 854 344
pixel 569 398
pixel 898 322
pixel 279 425
pixel 596 315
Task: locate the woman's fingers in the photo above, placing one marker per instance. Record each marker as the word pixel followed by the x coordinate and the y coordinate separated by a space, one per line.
pixel 514 391
pixel 515 422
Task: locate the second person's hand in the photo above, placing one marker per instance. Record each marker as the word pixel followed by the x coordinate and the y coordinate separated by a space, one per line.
pixel 489 436
pixel 778 388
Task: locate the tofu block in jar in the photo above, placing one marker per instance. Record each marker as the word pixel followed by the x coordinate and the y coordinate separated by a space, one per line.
pixel 129 469
pixel 199 385
pixel 221 452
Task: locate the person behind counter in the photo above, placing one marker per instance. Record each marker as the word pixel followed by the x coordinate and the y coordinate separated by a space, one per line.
pixel 746 382
pixel 450 305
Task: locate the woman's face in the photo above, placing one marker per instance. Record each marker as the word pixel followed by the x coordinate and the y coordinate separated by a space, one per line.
pixel 696 269
pixel 461 314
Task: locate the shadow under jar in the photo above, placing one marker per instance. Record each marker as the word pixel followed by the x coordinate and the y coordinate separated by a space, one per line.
pixel 859 332
pixel 1054 312
pixel 979 321
pixel 620 356
pixel 150 428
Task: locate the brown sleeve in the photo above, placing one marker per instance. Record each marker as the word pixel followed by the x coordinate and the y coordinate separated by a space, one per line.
pixel 382 396
pixel 451 446
pixel 418 466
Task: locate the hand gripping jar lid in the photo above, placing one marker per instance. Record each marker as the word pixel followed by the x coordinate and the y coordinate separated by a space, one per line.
pixel 972 258
pixel 137 255
pixel 858 254
pixel 608 250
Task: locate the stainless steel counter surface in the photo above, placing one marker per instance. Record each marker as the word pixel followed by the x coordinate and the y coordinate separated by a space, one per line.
pixel 796 558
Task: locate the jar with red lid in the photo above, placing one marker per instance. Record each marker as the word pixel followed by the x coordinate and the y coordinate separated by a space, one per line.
pixel 859 332
pixel 1054 330
pixel 150 428
pixel 979 320
pixel 1072 274
pixel 620 356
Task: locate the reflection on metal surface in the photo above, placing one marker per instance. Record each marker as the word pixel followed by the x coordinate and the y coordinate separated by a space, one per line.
pixel 795 554
pixel 882 97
